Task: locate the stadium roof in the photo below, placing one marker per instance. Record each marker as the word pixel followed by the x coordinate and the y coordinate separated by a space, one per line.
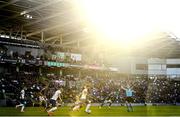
pixel 57 22
pixel 42 20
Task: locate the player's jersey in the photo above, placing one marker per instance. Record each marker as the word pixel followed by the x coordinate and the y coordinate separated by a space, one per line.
pixel 22 94
pixel 84 94
pixel 129 92
pixel 41 98
pixel 56 95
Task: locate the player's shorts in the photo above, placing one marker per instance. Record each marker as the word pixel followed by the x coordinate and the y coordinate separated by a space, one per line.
pixel 107 101
pixel 84 101
pixel 23 101
pixel 53 102
pixel 129 99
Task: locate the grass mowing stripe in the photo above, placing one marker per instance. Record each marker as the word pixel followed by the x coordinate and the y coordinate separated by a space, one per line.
pixel 104 111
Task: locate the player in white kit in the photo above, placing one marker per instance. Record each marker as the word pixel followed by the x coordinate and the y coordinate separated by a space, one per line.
pixel 84 94
pixel 53 101
pixel 84 100
pixel 77 105
pixel 22 100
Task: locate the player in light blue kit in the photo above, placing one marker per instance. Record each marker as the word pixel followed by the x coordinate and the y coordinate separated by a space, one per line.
pixel 129 99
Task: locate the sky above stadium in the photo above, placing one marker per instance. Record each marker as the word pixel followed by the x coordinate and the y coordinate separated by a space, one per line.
pixel 129 20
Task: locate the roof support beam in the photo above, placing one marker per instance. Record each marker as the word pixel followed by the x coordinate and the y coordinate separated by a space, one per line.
pixel 46 18
pixel 61 39
pixel 51 38
pixel 63 35
pixel 9 3
pixel 34 9
pixel 42 36
pixel 50 28
pixel 75 41
pixel 70 42
pixel 42 5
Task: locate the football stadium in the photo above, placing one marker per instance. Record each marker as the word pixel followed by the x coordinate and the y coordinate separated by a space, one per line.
pixel 89 58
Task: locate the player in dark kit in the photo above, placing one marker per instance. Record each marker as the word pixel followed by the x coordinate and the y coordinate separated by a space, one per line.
pixel 107 100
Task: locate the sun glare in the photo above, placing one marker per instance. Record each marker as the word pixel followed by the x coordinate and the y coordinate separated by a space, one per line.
pixel 127 21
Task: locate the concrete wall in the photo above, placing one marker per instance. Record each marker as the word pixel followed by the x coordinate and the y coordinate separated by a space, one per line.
pixel 172 61
pixel 173 71
pixel 157 66
pixel 136 61
pixel 128 65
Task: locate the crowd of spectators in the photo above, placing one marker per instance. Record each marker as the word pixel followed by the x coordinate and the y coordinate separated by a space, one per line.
pixel 147 90
pixel 158 90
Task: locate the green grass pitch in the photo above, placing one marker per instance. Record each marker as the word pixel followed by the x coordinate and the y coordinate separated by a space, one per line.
pixel 104 111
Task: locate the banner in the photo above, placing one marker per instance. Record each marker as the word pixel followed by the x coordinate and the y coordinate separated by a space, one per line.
pixel 76 57
pixel 55 64
pixel 113 69
pixel 58 56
